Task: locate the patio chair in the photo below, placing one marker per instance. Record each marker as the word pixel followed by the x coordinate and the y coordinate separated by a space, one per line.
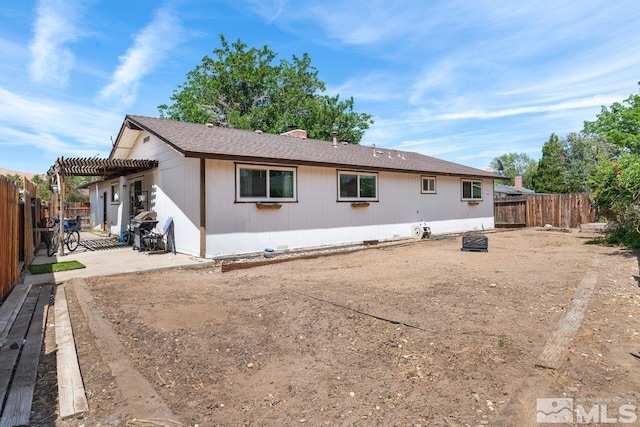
pixel 160 239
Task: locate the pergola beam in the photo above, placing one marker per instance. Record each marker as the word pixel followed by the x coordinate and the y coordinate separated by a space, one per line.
pixel 91 166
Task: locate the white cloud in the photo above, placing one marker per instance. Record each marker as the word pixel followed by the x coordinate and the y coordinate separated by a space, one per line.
pixel 151 47
pixel 269 9
pixel 54 28
pixel 70 130
pixel 535 109
pixel 373 87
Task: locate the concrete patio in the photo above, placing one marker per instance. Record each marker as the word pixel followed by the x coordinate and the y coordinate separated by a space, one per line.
pixel 111 259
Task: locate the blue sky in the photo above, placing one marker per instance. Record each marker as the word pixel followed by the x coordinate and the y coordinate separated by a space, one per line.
pixel 464 81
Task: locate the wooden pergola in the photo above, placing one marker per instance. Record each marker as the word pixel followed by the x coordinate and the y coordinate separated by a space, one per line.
pixel 92 166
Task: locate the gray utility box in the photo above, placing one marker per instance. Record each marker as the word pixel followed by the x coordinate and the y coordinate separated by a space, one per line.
pixel 475 243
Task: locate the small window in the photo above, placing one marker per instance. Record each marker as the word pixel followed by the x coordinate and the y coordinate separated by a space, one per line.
pixel 428 184
pixel 115 193
pixel 357 186
pixel 260 184
pixel 471 190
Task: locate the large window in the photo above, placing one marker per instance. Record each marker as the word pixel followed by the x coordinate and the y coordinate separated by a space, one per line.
pixel 471 190
pixel 265 183
pixel 357 186
pixel 428 184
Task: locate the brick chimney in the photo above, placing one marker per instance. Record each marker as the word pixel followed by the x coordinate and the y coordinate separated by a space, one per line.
pixel 518 182
pixel 296 133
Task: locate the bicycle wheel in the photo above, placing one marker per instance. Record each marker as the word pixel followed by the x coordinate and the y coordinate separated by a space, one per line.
pixel 53 245
pixel 73 239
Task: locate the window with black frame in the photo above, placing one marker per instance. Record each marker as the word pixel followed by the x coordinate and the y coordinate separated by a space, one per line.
pixel 265 183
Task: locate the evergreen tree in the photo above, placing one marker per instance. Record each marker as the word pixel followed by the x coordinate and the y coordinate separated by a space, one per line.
pixel 583 154
pixel 549 177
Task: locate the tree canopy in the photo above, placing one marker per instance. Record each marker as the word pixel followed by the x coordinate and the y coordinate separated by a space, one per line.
pixel 16 179
pixel 245 88
pixel 516 164
pixel 44 193
pixel 616 182
pixel 617 195
pixel 583 152
pixel 619 124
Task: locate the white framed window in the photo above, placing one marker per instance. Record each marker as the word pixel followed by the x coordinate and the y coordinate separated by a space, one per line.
pixel 115 193
pixel 471 189
pixel 256 183
pixel 428 185
pixel 354 186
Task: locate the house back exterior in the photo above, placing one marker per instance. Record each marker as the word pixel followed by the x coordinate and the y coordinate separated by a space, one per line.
pixel 237 192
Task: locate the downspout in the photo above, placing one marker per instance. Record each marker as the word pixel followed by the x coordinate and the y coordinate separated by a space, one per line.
pixel 203 209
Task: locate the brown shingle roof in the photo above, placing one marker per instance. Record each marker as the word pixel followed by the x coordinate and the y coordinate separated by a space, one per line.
pixel 199 140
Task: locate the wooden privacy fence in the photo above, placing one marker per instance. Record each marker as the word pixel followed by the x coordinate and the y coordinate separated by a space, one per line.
pixel 559 210
pixel 73 209
pixel 9 242
pixel 19 215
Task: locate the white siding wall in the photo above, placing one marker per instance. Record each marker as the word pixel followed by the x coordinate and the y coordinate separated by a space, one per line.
pixel 95 216
pixel 318 219
pixel 174 191
pixel 96 194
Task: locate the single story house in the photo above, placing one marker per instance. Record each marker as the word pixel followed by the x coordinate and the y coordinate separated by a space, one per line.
pixel 233 191
pixel 502 191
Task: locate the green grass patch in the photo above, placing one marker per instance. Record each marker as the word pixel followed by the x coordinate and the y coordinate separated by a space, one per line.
pixel 55 267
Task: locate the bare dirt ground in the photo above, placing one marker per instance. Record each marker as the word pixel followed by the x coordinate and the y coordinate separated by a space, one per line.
pixel 419 334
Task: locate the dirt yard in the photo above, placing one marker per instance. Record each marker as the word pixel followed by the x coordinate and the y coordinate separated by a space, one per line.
pixel 418 334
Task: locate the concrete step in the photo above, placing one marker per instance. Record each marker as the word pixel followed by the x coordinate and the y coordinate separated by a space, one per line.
pixel 594 227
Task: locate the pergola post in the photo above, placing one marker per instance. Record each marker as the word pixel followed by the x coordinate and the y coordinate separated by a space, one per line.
pixel 61 195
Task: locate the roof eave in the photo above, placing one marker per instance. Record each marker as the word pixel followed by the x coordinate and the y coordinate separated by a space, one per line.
pixel 140 126
pixel 289 162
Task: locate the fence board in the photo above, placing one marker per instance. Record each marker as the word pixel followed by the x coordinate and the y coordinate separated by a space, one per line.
pixel 510 212
pixel 18 218
pixel 9 244
pixel 559 210
pixel 73 209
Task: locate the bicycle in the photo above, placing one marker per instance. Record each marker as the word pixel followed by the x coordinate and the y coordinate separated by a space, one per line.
pixel 46 223
pixel 71 236
pixel 72 233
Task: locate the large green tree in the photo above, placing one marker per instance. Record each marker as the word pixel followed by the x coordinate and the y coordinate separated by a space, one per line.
pixel 516 164
pixel 617 195
pixel 583 153
pixel 616 183
pixel 549 175
pixel 619 124
pixel 246 88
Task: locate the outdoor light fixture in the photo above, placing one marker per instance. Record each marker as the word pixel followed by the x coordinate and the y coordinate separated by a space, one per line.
pixel 54 188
